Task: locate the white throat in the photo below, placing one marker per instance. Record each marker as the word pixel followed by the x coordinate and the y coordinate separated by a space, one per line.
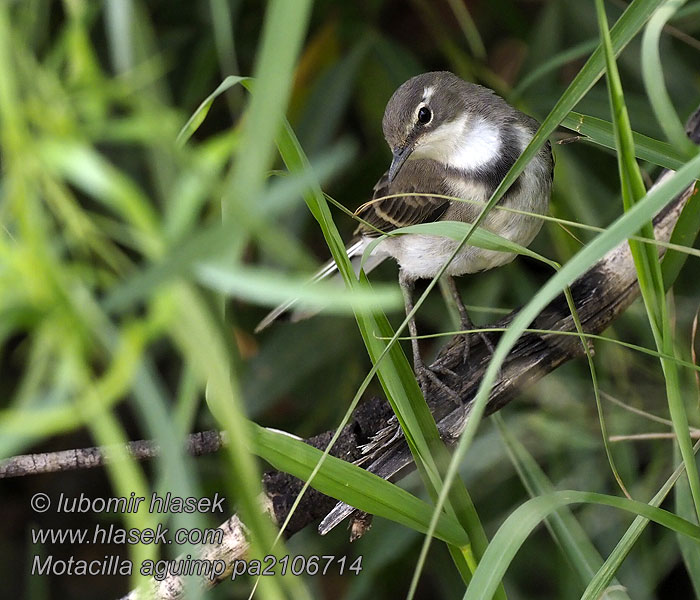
pixel 462 144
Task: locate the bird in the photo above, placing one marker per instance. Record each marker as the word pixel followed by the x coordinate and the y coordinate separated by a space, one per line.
pixel 448 138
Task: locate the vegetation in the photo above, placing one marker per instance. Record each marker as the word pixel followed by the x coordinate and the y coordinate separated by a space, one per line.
pixel 171 170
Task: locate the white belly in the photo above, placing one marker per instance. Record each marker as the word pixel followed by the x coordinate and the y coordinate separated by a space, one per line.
pixel 422 256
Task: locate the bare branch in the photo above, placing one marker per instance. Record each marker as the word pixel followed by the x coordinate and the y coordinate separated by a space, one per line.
pixel 197 444
pixel 233 547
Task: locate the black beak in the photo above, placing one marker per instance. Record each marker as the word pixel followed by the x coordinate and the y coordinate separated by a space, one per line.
pixel 400 157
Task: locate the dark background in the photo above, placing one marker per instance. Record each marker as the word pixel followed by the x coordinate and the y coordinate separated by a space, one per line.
pixel 300 377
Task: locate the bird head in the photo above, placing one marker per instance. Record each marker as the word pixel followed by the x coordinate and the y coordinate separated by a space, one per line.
pixel 430 114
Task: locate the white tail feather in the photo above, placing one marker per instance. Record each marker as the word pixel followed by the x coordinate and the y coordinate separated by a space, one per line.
pixel 340 512
pixel 354 252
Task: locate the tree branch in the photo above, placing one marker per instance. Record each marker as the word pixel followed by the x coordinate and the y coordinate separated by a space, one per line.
pixel 196 444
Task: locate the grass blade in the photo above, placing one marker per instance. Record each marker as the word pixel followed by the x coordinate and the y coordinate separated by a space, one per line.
pixel 269 287
pixel 360 488
pixel 285 26
pixel 684 508
pixel 646 260
pixel 612 563
pixel 198 116
pixel 471 33
pixel 619 231
pixel 395 374
pixel 653 75
pixel 525 518
pixel 602 133
pixel 456 230
pixel 627 26
pixel 684 234
pixel 552 64
pixel 564 527
pixel 210 241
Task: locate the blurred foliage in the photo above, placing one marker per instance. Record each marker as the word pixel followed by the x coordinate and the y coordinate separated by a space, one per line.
pixel 95 192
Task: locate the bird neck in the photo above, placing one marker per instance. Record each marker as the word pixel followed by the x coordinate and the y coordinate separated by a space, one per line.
pixel 468 145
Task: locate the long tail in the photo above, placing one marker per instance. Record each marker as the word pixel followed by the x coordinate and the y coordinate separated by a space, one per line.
pixel 354 251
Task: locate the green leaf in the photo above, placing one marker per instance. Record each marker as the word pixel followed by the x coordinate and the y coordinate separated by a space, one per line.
pixel 282 38
pixel 602 133
pixel 265 286
pixel 604 575
pixel 518 526
pixel 394 373
pixel 627 26
pixel 471 33
pixel 646 259
pixel 343 480
pixel 653 75
pixel 211 241
pixel 616 233
pixel 624 30
pixel 88 170
pixel 565 529
pixel 684 234
pixel 198 327
pixel 198 116
pixel 689 550
pixel 552 64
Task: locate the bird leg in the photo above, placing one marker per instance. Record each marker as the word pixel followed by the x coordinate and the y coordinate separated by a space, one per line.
pixel 424 374
pixel 465 322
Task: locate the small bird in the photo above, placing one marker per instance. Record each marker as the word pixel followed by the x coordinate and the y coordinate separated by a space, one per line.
pixel 448 137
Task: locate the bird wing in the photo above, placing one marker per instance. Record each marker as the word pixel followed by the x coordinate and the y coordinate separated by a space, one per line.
pixel 386 214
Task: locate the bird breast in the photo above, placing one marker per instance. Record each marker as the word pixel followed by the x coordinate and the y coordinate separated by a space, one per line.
pixel 422 256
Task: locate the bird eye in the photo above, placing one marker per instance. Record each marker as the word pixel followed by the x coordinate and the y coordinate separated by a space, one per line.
pixel 424 115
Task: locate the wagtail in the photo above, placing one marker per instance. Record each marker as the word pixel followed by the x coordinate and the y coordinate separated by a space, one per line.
pixel 448 137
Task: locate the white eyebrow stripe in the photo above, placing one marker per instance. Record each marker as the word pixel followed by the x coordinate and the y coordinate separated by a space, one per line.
pixel 428 93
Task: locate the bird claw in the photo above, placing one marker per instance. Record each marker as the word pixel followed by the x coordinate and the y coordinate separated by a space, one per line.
pixel 465 339
pixel 487 342
pixel 490 347
pixel 442 370
pixel 427 377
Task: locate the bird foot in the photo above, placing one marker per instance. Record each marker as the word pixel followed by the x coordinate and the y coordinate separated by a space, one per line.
pixel 487 342
pixel 490 347
pixel 429 376
pixel 466 340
